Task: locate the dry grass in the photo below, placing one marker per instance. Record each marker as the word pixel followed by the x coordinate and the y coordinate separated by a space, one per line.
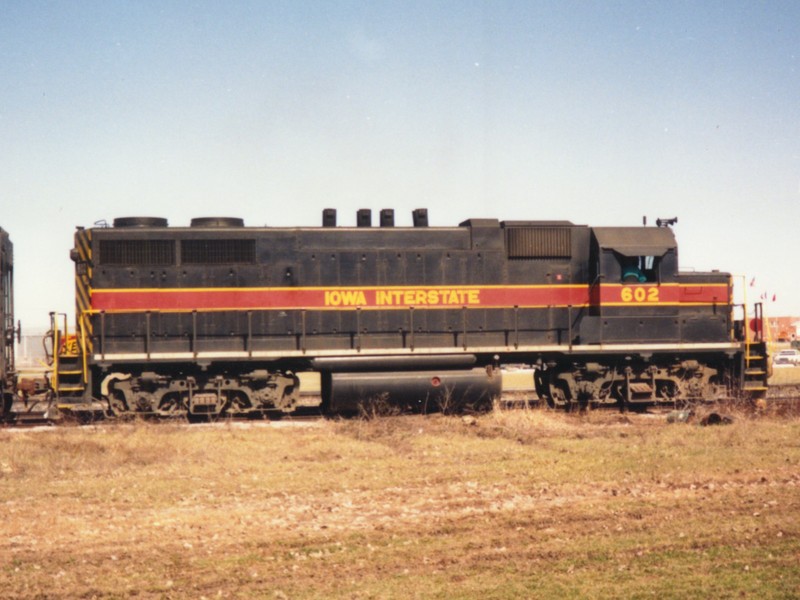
pixel 508 505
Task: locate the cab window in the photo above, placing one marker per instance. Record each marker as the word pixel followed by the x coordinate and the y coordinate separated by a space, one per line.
pixel 639 269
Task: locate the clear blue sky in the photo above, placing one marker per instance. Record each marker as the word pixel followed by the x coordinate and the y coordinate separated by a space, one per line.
pixel 598 113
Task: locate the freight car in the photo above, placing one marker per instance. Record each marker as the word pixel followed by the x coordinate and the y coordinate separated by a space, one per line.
pixel 219 318
pixel 7 374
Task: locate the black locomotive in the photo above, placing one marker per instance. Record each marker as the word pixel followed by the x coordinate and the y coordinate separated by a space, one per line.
pixel 218 318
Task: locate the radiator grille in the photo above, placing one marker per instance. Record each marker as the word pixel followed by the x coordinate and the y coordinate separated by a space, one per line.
pixel 539 242
pixel 218 252
pixel 137 252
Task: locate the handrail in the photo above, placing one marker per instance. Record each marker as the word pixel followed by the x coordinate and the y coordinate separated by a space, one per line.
pixel 56 345
pixel 409 335
pixel 85 367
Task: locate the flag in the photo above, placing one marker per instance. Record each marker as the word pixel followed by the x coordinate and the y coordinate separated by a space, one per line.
pixel 774 297
pixel 753 282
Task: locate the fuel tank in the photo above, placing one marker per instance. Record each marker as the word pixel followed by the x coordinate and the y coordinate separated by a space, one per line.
pixel 449 391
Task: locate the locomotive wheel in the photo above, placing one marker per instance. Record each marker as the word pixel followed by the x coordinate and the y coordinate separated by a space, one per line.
pixel 543 388
pixel 171 407
pixel 559 396
pixel 579 405
pixel 619 395
pixel 117 406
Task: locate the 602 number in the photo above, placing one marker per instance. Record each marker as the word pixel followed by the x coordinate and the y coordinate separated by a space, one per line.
pixel 639 294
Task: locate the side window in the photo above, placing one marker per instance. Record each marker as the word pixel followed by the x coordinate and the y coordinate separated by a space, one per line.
pixel 639 269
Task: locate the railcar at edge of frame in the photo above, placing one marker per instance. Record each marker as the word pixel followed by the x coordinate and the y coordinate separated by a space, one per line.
pixel 8 331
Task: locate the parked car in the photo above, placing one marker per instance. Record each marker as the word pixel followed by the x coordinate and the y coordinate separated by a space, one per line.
pixel 790 356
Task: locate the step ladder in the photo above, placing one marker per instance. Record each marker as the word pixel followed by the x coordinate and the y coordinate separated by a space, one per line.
pixel 69 365
pixel 755 370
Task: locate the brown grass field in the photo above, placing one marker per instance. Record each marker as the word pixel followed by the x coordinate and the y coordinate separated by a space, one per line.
pixel 513 504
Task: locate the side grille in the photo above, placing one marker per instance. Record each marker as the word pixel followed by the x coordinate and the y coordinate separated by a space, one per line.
pixel 137 252
pixel 218 252
pixel 539 242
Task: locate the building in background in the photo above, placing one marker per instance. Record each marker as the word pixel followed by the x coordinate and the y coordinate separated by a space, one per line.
pixel 783 329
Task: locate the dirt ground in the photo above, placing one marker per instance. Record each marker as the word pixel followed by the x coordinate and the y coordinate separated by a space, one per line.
pixel 506 505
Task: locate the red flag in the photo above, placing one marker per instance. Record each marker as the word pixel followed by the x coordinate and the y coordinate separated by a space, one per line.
pixel 774 297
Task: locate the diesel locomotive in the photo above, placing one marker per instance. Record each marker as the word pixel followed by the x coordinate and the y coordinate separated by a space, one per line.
pixel 220 318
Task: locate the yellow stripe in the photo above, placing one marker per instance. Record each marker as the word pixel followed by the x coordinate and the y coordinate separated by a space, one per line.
pixel 574 286
pixel 83 294
pixel 365 307
pixel 389 307
pixel 645 303
pixel 355 288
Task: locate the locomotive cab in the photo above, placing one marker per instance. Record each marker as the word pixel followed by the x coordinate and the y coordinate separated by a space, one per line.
pixel 632 268
pixel 651 333
pixel 631 255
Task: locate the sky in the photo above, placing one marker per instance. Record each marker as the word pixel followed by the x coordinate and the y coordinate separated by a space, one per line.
pixel 599 113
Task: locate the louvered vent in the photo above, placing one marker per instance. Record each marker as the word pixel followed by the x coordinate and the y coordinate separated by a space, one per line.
pixel 218 252
pixel 137 252
pixel 539 242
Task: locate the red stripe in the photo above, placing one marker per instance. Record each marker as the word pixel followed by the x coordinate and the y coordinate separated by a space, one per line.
pixel 715 293
pixel 383 298
pixel 398 298
pixel 652 293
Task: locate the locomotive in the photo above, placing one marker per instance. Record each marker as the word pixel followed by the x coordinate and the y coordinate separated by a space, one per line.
pixel 218 318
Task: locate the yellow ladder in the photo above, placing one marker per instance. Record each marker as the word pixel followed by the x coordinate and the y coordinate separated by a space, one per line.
pixel 755 373
pixel 69 367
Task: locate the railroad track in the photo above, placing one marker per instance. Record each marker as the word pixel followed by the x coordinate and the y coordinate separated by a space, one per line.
pixel 518 393
pixel 786 401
